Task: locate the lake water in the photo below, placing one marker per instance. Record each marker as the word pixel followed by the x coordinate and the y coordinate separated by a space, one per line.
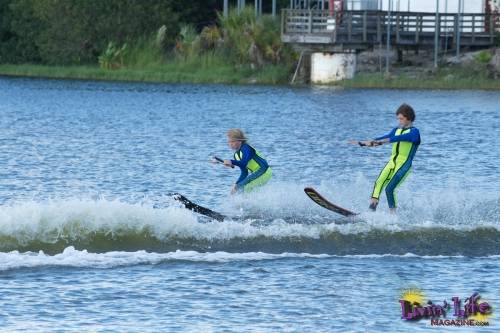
pixel 91 239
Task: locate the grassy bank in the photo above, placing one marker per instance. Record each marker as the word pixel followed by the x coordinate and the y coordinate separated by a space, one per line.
pixel 429 82
pixel 472 72
pixel 211 69
pixel 173 72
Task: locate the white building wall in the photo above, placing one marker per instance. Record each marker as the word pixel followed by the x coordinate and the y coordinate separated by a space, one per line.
pixel 450 6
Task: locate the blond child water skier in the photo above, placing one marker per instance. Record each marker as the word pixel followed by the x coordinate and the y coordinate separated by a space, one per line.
pixel 255 170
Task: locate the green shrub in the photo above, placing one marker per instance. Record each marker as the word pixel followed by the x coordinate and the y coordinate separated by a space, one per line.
pixel 254 40
pixel 210 37
pixel 188 42
pixel 483 57
pixel 112 57
pixel 144 53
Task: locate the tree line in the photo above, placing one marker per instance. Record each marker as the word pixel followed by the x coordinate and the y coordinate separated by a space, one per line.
pixel 78 31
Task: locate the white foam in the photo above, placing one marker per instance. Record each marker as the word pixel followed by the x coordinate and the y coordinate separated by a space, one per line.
pixel 76 219
pixel 75 258
pixel 71 219
pixel 451 207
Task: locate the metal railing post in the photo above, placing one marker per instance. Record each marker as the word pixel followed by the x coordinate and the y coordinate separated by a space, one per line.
pixel 364 28
pixel 283 16
pixel 473 28
pixel 226 8
pixel 310 21
pixel 459 27
pixel 492 28
pixel 388 37
pixel 436 35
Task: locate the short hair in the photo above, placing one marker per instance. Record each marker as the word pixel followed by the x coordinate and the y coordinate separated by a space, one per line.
pixel 406 111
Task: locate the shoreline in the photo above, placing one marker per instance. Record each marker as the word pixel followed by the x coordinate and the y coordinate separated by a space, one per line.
pixel 439 82
pixel 270 75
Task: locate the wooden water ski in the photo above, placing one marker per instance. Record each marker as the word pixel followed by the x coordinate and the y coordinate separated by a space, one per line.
pixel 320 200
pixel 197 208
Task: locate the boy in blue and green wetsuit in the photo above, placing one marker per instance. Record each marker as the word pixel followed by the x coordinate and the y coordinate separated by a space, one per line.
pixel 405 140
pixel 255 170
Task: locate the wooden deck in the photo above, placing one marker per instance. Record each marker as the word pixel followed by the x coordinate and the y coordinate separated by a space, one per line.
pixel 357 30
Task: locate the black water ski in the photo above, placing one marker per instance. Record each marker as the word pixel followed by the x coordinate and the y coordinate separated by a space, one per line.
pixel 320 200
pixel 197 208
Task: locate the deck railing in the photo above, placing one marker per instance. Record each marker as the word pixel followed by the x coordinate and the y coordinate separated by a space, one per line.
pixel 369 27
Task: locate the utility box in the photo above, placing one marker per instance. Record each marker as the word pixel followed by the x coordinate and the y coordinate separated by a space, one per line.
pixel 329 67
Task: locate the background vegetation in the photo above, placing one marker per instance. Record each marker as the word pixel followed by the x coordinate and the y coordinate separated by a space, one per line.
pixel 152 40
pixel 78 31
pixel 174 41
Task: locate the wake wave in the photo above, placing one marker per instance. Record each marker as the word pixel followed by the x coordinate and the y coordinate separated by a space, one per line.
pixel 71 257
pixel 269 225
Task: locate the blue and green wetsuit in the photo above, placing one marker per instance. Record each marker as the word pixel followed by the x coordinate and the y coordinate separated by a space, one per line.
pixel 255 170
pixel 405 142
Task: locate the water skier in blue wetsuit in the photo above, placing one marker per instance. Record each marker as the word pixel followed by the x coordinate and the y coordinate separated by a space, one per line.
pixel 255 170
pixel 405 140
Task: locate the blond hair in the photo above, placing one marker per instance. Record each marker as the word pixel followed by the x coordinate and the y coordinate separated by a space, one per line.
pixel 237 135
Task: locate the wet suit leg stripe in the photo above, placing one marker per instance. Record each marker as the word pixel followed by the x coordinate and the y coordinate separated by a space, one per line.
pixel 396 180
pixel 379 185
pixel 399 177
